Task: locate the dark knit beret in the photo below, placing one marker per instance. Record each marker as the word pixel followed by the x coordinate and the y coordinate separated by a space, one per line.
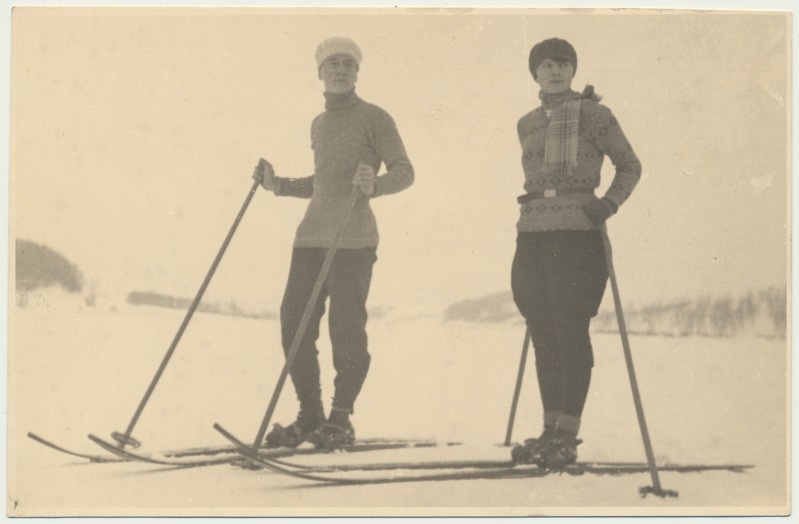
pixel 555 49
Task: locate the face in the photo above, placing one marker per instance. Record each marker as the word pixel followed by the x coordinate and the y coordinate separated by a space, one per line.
pixel 554 76
pixel 339 72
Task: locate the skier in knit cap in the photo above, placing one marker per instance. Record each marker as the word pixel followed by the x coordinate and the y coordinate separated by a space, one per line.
pixel 350 140
pixel 559 272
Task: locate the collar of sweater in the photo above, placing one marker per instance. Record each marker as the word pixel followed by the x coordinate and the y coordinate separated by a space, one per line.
pixel 334 101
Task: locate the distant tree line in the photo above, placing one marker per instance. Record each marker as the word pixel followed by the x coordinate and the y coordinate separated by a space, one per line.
pixel 157 299
pixel 764 311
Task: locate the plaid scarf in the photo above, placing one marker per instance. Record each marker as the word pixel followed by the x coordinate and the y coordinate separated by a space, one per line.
pixel 560 151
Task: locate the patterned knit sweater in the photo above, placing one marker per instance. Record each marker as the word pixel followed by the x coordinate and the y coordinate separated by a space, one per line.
pixel 348 132
pixel 599 135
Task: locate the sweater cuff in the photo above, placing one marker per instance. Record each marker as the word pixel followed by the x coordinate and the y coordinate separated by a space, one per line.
pixel 613 205
pixel 379 187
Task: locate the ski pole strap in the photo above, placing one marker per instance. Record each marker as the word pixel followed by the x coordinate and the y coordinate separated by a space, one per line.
pixel 552 193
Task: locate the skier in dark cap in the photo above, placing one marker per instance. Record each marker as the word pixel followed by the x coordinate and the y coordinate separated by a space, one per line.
pixel 559 273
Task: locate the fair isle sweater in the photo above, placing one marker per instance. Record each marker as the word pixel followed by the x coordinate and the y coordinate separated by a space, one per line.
pixel 348 132
pixel 599 135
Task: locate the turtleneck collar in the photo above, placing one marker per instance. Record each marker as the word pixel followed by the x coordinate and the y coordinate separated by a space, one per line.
pixel 334 101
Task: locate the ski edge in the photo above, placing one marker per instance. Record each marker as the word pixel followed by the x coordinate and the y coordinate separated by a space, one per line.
pixel 507 471
pixel 89 457
pixel 118 457
pixel 594 467
pixel 234 455
pixel 490 469
pixel 171 457
pixel 251 454
pixel 128 456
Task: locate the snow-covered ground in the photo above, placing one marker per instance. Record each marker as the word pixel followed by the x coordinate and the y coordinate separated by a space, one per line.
pixel 75 370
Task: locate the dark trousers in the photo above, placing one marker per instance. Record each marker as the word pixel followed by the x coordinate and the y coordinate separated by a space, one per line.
pixel 558 279
pixel 347 287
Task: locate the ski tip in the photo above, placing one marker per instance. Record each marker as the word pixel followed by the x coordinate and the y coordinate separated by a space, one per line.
pixel 39 439
pixel 97 440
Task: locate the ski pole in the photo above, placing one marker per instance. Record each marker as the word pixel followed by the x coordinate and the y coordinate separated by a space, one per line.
pixel 306 316
pixel 639 408
pixel 519 378
pixel 125 438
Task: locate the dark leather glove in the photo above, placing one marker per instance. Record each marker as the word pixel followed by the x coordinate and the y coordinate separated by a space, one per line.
pixel 599 210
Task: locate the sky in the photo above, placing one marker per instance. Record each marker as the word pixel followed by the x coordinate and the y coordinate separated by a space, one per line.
pixel 134 134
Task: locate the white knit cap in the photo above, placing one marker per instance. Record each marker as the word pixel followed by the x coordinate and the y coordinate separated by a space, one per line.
pixel 337 45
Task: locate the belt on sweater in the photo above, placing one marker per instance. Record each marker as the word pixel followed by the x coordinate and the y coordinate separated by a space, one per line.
pixel 552 193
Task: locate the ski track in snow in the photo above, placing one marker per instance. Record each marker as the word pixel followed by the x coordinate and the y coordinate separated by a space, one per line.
pixel 75 370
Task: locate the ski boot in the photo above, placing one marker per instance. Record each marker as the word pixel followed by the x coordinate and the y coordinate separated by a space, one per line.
pixel 308 421
pixel 334 434
pixel 528 452
pixel 561 450
pixel 331 437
